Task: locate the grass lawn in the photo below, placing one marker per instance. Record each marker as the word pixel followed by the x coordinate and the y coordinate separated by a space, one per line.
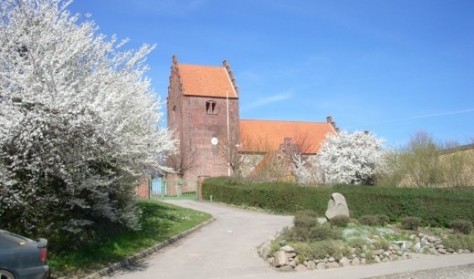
pixel 160 221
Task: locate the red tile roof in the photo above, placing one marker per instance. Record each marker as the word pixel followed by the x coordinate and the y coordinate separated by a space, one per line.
pixel 268 135
pixel 207 81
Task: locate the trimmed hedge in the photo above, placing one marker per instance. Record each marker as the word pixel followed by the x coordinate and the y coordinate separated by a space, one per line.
pixel 435 206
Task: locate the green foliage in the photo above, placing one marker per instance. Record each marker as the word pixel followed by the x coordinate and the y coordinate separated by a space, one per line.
pixel 318 249
pixel 305 219
pixel 383 219
pixel 436 206
pixel 425 163
pixel 340 221
pixel 459 241
pixel 381 243
pixel 307 228
pixel 461 226
pixel 358 243
pixel 410 223
pixel 369 220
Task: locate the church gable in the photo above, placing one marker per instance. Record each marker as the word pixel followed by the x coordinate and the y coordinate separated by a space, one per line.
pixel 206 81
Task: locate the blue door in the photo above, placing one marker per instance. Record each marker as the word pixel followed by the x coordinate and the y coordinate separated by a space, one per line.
pixel 156 185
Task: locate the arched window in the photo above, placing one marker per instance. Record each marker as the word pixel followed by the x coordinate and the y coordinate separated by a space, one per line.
pixel 211 107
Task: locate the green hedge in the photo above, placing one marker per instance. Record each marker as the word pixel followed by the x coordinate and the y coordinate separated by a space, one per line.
pixel 436 207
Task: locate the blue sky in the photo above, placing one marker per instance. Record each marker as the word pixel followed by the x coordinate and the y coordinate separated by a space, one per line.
pixel 393 67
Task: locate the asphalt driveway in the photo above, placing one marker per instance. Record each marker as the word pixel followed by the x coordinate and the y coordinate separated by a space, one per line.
pixel 226 248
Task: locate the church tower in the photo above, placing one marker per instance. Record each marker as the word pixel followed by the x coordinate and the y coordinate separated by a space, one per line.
pixel 203 114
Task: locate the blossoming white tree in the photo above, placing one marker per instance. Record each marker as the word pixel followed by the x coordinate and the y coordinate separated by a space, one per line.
pixel 351 158
pixel 78 121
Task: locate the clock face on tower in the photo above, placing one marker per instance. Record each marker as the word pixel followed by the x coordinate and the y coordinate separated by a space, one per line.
pixel 214 141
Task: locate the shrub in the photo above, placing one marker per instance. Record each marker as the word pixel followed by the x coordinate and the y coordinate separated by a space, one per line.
pixel 382 243
pixel 374 220
pixel 383 219
pixel 369 220
pixel 319 249
pixel 359 244
pixel 436 206
pixel 410 223
pixel 307 228
pixel 318 232
pixel 340 221
pixel 305 219
pixel 459 241
pixel 461 226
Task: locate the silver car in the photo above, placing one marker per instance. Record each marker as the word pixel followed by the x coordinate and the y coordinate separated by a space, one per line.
pixel 22 258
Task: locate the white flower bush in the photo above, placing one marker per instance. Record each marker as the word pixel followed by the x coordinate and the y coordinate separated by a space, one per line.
pixel 78 121
pixel 351 158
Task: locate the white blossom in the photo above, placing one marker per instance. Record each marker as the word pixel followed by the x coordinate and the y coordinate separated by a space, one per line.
pixel 78 118
pixel 351 158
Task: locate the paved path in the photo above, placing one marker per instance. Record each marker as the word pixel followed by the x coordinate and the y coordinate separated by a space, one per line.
pixel 226 248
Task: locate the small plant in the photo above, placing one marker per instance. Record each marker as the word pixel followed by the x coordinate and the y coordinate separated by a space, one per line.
pixel 340 221
pixel 358 243
pixel 305 219
pixel 318 232
pixel 320 249
pixel 459 241
pixel 369 256
pixel 374 220
pixel 461 226
pixel 382 219
pixel 369 220
pixel 410 223
pixel 381 243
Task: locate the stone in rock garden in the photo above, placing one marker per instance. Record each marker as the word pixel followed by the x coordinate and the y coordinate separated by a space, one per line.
pixel 301 267
pixel 265 249
pixel 432 239
pixel 290 255
pixel 287 248
pixel 321 266
pixel 337 205
pixel 344 261
pixel 355 261
pixel 292 263
pixel 280 259
pixel 311 265
pixel 442 251
pixel 416 247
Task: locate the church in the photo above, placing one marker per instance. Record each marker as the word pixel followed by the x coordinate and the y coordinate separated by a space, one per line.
pixel 203 114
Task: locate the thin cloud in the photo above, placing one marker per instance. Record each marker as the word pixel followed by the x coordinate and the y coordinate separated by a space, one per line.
pixel 431 115
pixel 421 116
pixel 268 100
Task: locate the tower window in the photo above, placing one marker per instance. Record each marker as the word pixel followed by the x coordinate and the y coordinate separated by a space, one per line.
pixel 211 107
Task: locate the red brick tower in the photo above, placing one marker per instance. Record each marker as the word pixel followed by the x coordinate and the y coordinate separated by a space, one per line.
pixel 203 113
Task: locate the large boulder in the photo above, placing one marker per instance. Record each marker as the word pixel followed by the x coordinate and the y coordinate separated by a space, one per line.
pixel 337 206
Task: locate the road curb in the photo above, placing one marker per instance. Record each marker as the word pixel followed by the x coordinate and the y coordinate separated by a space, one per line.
pixel 140 255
